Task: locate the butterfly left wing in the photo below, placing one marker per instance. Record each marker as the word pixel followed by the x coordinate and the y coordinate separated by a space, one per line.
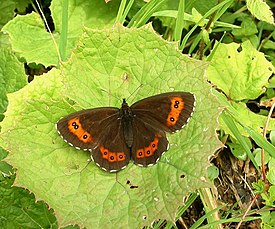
pixel 112 153
pixel 168 111
pixel 99 131
pixel 82 129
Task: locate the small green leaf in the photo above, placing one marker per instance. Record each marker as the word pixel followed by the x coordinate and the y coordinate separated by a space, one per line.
pixel 271 175
pixel 238 150
pixel 205 37
pixel 258 186
pixel 272 137
pixel 213 172
pixel 196 17
pixel 269 45
pixel 268 219
pixel 269 197
pixel 258 157
pixel 248 28
pixel 261 10
pixel 241 74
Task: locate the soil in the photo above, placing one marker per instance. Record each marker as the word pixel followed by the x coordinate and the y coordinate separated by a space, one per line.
pixel 234 190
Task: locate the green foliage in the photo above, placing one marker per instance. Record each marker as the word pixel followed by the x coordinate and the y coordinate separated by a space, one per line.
pixel 16 202
pixel 237 148
pixel 268 219
pixel 59 164
pixel 240 71
pixel 260 10
pixel 97 62
pixel 12 77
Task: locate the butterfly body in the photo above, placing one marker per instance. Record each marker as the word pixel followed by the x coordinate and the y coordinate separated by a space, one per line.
pixel 127 117
pixel 115 136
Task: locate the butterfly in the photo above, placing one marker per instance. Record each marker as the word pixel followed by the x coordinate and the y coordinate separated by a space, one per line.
pixel 115 136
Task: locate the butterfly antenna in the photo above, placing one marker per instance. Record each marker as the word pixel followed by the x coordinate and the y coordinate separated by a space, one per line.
pixel 134 92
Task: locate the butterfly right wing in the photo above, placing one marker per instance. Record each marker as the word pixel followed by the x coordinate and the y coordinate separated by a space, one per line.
pixel 99 131
pixel 149 144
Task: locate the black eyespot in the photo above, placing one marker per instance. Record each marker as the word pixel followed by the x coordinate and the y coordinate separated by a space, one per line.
pixel 177 102
pixel 140 153
pixel 76 127
pixel 105 152
pixel 74 123
pixel 148 152
pixel 112 158
pixel 172 119
pixel 153 145
pixel 176 106
pixel 120 156
pixel 85 136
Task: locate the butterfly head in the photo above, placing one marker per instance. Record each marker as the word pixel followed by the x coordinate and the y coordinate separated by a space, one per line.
pixel 125 110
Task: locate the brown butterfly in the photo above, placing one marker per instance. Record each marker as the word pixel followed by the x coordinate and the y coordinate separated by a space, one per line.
pixel 115 136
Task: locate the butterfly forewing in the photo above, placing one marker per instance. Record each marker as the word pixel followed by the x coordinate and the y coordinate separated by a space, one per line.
pixel 168 111
pixel 81 129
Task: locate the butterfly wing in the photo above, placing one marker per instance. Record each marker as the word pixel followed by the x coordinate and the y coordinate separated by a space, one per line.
pixel 112 153
pixel 153 117
pixel 99 131
pixel 149 143
pixel 168 111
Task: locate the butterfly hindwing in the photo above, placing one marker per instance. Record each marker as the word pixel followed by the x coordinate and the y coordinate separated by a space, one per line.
pixel 168 111
pixel 149 143
pixel 112 154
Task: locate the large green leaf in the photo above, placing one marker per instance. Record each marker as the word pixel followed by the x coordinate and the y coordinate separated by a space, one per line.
pixel 12 76
pixel 30 40
pixel 261 10
pixel 6 12
pixel 33 43
pixel 20 210
pixel 239 70
pixel 96 76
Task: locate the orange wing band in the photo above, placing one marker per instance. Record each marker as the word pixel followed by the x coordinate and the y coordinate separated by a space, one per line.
pixel 112 156
pixel 177 105
pixel 75 128
pixel 149 150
